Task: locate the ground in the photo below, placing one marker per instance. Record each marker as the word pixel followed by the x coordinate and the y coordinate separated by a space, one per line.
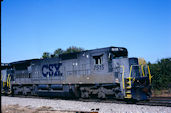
pixel 40 105
pixel 161 93
pixel 27 109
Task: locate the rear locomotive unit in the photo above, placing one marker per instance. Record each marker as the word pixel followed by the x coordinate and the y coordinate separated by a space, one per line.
pixel 102 73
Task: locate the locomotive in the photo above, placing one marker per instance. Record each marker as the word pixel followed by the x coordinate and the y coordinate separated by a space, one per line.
pixel 102 73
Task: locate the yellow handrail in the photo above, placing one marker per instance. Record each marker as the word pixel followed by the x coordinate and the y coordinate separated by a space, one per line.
pixel 149 74
pixel 130 71
pixel 142 70
pixel 7 80
pixel 123 82
pixel 130 76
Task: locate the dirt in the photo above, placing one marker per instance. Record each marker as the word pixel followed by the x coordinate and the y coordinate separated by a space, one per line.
pixel 19 109
pixel 161 93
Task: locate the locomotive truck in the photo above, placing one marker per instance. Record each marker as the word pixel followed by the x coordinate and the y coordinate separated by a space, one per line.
pixel 102 73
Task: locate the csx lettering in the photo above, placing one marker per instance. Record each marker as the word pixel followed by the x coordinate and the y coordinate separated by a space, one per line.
pixel 51 70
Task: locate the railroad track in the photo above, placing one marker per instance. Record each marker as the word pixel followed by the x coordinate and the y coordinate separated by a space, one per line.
pixel 152 102
pixel 156 101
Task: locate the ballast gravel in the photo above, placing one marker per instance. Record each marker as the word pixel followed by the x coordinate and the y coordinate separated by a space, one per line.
pixel 70 105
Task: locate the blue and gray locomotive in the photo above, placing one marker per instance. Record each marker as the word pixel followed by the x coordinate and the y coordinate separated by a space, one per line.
pixel 102 73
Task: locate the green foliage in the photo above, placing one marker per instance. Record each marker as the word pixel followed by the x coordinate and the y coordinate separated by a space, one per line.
pixel 161 72
pixel 46 55
pixel 59 51
pixel 73 49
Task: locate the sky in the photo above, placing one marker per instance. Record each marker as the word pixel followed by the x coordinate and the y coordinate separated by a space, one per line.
pixel 31 27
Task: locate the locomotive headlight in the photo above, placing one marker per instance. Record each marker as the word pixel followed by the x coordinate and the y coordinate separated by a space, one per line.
pixel 117 80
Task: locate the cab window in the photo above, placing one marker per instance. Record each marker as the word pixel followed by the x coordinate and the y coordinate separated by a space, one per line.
pixel 98 59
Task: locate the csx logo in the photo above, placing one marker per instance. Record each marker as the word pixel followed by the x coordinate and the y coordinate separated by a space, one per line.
pixel 51 70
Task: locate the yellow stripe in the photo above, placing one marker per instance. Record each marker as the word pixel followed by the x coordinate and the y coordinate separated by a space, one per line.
pixel 128 96
pixel 123 78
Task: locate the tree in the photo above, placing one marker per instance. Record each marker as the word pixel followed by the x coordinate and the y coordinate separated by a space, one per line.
pixel 57 52
pixel 73 49
pixel 46 55
pixel 161 72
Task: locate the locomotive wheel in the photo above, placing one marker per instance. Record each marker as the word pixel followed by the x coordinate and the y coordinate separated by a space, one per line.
pixel 101 93
pixel 118 95
pixel 84 95
pixel 77 93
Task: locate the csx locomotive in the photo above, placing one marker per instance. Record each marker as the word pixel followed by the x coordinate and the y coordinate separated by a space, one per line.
pixel 102 73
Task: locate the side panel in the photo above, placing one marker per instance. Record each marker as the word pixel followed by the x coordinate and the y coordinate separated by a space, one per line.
pixel 100 71
pixel 84 69
pixel 78 70
pixel 47 71
pixel 121 65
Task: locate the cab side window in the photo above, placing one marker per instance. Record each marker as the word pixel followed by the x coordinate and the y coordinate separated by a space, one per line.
pixel 98 59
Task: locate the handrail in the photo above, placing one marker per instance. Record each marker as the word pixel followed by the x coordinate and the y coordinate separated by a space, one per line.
pixel 142 70
pixel 149 74
pixel 130 71
pixel 130 76
pixel 8 80
pixel 123 82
